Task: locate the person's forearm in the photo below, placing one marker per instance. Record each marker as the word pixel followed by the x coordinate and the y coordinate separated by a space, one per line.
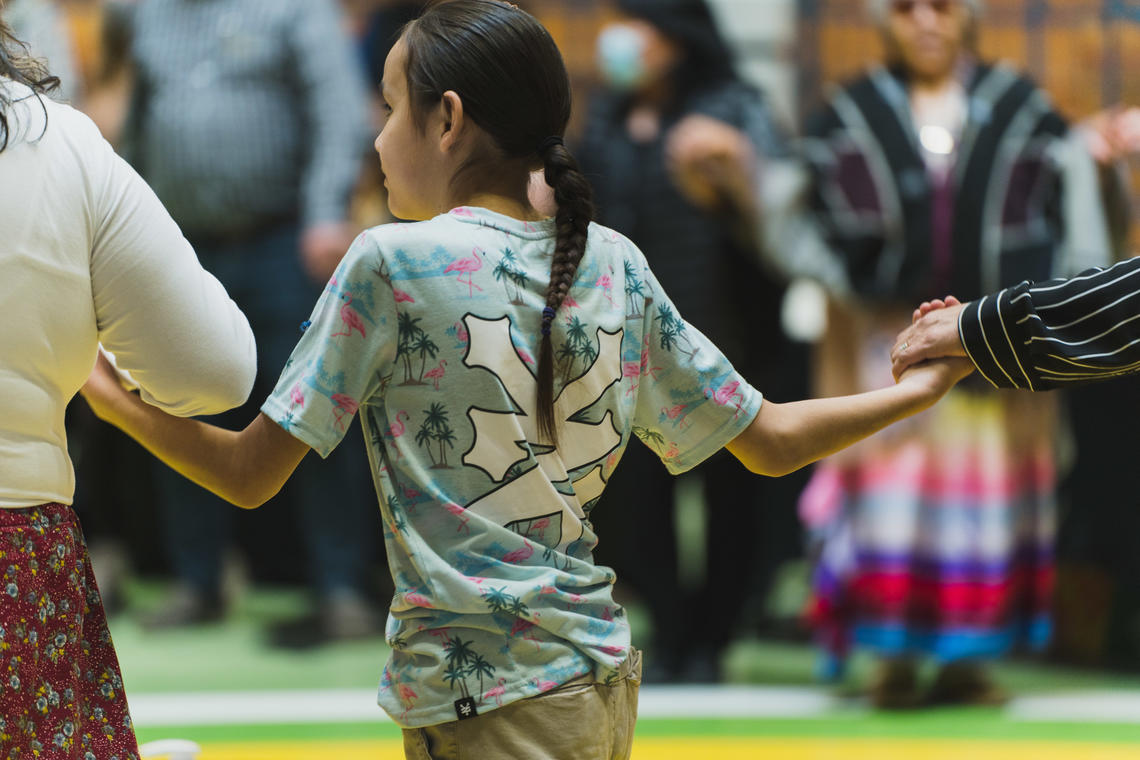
pixel 1060 333
pixel 219 460
pixel 785 437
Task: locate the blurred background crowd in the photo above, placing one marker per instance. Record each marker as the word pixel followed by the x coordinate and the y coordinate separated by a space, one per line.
pixel 800 175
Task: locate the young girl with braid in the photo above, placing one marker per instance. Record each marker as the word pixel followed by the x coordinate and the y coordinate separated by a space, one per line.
pixel 501 362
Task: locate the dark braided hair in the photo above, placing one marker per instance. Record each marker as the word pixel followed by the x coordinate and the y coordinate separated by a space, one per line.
pixel 508 72
pixel 17 64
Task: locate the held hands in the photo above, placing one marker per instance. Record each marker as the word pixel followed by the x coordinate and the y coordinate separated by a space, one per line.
pixel 932 378
pixel 933 334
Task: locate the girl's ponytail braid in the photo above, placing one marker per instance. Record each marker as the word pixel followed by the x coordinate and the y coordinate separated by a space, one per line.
pixel 575 199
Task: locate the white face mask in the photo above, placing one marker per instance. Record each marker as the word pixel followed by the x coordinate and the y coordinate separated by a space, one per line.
pixel 621 57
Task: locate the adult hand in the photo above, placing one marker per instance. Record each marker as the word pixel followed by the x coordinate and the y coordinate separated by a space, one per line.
pixel 1113 134
pixel 933 334
pixel 323 246
pixel 711 162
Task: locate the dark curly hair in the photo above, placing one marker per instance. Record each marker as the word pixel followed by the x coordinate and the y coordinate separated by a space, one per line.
pixel 17 64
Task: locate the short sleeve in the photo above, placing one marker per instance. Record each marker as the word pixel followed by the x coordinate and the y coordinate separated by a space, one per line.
pixel 691 402
pixel 349 342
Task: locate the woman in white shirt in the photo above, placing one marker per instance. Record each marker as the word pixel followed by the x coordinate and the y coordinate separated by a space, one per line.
pixel 87 255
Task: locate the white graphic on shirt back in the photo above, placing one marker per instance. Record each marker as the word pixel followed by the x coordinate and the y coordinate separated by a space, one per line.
pixel 506 438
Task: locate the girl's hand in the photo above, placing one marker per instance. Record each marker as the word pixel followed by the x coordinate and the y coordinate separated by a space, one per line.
pixel 931 379
pixel 103 388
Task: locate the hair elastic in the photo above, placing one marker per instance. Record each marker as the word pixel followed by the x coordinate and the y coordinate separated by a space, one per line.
pixel 547 318
pixel 550 142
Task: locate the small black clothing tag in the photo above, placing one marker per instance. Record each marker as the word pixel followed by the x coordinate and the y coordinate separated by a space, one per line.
pixel 465 708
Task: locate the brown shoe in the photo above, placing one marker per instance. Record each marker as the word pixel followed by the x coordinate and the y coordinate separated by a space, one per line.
pixel 895 686
pixel 965 683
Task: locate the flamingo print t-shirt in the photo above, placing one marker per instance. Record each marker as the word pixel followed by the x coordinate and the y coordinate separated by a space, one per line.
pixel 430 332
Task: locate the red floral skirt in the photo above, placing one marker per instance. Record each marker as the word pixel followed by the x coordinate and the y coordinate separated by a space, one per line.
pixel 61 692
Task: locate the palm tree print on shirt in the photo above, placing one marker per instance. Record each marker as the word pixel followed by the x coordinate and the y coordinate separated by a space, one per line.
pixel 463 662
pixel 672 332
pixel 634 292
pixel 577 346
pixel 436 429
pixel 411 339
pixel 511 276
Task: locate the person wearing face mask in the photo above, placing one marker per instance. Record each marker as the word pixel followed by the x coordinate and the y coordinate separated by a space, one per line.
pixel 665 63
pixel 940 173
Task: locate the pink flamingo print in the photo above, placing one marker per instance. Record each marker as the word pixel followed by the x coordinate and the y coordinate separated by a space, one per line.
pixel 729 393
pixel 544 686
pixel 527 358
pixel 676 414
pixel 467 266
pixel 402 297
pixel 569 302
pixel 410 494
pixel 441 634
pixel 408 697
pixel 418 600
pixel 436 374
pixel 631 370
pixel 461 333
pixel 296 396
pixel 645 368
pixel 346 406
pixel 543 590
pixel 519 555
pixel 673 451
pixel 496 692
pixel 351 319
pixel 463 211
pixel 540 525
pixel 606 283
pixel 612 651
pixel 397 428
pixel 525 627
pixel 461 513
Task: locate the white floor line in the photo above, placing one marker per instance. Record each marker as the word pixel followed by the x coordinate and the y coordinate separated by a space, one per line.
pixel 359 705
pixel 758 702
pixel 1078 707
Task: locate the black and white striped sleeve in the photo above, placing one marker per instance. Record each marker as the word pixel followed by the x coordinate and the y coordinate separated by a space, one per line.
pixel 1059 333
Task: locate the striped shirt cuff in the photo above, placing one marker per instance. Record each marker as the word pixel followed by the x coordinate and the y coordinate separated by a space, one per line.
pixel 989 344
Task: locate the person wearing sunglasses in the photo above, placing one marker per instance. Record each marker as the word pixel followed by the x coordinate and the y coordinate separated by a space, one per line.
pixel 938 172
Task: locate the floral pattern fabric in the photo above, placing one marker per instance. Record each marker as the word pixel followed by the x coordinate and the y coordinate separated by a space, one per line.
pixel 430 331
pixel 61 691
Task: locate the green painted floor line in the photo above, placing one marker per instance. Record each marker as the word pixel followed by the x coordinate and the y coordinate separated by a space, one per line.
pixel 949 724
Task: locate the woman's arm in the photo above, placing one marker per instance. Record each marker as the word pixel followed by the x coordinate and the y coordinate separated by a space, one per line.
pixel 1055 334
pixel 168 321
pixel 785 437
pixel 244 467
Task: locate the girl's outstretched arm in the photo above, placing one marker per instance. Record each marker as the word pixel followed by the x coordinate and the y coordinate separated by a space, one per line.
pixel 244 467
pixel 785 437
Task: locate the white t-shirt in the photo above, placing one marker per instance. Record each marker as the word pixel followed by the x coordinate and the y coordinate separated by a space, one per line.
pixel 88 254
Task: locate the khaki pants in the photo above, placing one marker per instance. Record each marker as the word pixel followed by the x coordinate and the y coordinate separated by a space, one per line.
pixel 580 720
